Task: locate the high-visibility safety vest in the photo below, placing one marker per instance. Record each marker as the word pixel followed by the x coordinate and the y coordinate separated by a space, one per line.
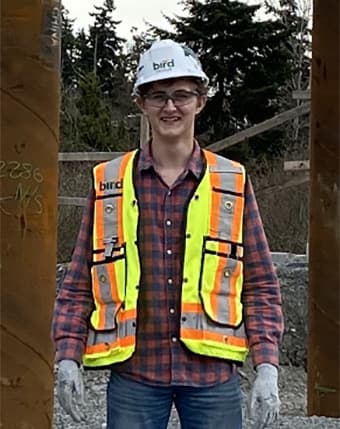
pixel 211 309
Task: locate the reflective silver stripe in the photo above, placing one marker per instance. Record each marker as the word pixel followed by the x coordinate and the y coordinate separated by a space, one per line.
pixel 125 329
pixel 228 172
pixel 111 204
pixel 200 321
pixel 225 165
pixel 101 337
pixel 111 185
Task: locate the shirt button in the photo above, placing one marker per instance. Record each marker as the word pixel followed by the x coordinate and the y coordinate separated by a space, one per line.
pixel 170 281
pixel 172 310
pixel 169 193
pixel 169 252
pixel 174 339
pixel 168 222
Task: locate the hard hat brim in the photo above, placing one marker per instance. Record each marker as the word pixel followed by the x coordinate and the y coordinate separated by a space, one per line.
pixel 166 75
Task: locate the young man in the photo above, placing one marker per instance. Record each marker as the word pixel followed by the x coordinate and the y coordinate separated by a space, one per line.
pixel 171 280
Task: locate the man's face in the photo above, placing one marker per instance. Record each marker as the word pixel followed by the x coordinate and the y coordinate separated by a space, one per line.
pixel 172 118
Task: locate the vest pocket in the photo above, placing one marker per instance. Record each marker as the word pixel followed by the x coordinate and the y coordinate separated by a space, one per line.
pixel 221 283
pixel 108 287
pixel 227 214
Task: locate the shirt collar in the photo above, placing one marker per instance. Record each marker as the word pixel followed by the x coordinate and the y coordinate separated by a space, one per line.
pixel 195 163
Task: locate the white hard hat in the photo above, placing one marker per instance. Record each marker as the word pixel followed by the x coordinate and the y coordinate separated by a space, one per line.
pixel 167 59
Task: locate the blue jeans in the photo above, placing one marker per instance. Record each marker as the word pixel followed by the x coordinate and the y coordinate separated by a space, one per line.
pixel 134 405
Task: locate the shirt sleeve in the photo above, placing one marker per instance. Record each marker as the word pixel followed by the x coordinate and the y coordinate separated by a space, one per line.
pixel 74 301
pixel 261 295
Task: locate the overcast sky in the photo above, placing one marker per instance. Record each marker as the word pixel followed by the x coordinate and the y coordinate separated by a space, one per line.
pixel 130 12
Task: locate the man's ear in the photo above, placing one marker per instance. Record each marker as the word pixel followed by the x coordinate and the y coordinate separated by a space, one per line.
pixel 201 102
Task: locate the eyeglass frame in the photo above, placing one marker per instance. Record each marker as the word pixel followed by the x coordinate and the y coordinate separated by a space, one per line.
pixel 168 97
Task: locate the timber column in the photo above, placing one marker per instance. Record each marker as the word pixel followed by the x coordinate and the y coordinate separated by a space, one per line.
pixel 324 230
pixel 30 96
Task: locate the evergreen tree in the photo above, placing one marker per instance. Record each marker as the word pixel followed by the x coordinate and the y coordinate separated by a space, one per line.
pixel 95 118
pixel 110 63
pixel 107 47
pixel 67 48
pixel 295 16
pixel 95 106
pixel 246 60
pixel 85 59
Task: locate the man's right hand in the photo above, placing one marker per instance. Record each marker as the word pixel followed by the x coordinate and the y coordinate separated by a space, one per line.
pixel 70 389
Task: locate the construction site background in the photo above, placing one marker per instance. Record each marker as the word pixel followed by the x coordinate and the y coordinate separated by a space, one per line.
pixel 284 211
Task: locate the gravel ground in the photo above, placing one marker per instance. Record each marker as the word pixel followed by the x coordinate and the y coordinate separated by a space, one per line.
pixel 292 394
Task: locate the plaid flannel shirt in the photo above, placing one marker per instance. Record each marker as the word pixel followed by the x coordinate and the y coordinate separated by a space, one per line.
pixel 160 357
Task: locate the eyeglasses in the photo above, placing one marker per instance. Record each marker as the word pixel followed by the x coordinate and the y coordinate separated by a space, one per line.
pixel 179 97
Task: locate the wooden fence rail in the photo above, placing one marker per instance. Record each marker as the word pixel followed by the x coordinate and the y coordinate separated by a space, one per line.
pixel 72 201
pixel 266 125
pixel 296 166
pixel 87 156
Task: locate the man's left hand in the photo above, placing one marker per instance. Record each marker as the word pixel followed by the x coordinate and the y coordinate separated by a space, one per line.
pixel 264 402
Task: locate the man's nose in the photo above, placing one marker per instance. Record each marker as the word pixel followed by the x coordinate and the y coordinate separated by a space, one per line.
pixel 169 104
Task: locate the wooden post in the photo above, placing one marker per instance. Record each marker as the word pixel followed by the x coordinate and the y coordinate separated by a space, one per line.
pixel 30 94
pixel 324 231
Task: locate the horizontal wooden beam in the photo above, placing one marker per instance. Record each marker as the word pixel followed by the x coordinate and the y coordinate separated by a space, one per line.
pixel 87 156
pixel 288 184
pixel 296 166
pixel 300 94
pixel 260 128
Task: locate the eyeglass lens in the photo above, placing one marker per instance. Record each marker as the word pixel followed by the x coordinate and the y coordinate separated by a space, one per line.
pixel 179 98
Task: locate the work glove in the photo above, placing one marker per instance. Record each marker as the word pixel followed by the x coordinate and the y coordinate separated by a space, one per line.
pixel 70 389
pixel 264 402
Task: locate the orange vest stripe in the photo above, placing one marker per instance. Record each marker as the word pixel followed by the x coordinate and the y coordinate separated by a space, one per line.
pixel 124 316
pixel 194 334
pixel 104 347
pixel 192 307
pixel 122 168
pixel 98 226
pixel 233 294
pixel 97 294
pixel 210 157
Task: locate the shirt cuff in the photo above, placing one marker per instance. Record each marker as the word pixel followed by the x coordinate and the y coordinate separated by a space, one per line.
pixel 69 349
pixel 265 353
